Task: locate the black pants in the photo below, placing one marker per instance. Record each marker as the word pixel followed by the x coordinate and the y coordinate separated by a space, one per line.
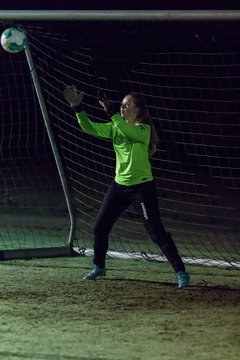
pixel 144 199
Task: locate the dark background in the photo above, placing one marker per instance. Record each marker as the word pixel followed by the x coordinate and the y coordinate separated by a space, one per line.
pixel 119 5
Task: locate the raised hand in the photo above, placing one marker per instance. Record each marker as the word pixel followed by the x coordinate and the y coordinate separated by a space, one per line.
pixel 73 96
pixel 104 101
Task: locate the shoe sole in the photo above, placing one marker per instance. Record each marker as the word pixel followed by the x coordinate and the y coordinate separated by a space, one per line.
pixel 93 279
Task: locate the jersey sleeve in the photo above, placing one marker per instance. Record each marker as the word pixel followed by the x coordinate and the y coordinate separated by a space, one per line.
pixel 103 130
pixel 139 133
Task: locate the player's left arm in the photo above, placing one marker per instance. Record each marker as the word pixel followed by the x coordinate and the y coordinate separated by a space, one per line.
pixel 139 132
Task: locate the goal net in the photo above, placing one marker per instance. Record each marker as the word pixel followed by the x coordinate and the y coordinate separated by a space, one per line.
pixel 189 76
pixel 32 206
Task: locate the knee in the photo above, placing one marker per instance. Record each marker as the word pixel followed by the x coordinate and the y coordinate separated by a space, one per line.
pixel 165 240
pixel 161 237
pixel 156 231
pixel 100 230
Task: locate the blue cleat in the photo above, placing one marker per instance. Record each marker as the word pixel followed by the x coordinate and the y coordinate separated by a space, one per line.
pixel 94 273
pixel 183 279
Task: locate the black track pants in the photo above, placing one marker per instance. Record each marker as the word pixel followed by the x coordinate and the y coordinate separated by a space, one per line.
pixel 144 199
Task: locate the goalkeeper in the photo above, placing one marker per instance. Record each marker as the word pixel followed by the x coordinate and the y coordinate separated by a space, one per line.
pixel 134 141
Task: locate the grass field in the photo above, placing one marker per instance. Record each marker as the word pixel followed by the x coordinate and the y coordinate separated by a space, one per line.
pixel 136 312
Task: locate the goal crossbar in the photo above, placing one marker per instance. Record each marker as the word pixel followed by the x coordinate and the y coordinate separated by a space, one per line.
pixel 123 15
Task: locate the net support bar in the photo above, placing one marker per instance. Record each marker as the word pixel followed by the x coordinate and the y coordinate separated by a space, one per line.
pixel 123 15
pixel 53 144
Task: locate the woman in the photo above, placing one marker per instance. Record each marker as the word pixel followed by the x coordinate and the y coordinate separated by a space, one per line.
pixel 134 141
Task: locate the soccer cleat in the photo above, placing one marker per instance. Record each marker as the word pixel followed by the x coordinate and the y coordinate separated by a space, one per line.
pixel 183 279
pixel 94 273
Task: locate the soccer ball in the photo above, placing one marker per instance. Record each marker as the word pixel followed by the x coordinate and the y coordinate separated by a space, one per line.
pixel 13 40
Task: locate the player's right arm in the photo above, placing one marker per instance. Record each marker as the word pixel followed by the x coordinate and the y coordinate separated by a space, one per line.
pixel 74 97
pixel 103 130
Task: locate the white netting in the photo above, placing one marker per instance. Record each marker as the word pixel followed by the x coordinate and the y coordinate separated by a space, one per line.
pixel 32 206
pixel 189 76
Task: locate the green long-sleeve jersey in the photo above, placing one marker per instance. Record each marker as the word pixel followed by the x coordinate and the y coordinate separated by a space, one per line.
pixel 130 142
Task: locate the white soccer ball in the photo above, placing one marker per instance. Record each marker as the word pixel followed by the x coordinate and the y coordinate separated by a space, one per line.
pixel 13 40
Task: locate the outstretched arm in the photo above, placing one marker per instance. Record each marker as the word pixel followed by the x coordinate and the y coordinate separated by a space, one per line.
pixel 103 130
pixel 139 133
pixel 74 98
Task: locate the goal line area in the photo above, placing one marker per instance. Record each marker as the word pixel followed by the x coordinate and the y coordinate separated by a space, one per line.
pixel 155 257
pixel 188 73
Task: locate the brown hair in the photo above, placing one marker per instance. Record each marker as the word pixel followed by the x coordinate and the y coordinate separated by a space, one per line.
pixel 144 117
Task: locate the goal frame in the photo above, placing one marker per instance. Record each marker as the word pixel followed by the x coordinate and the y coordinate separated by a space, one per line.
pixel 88 15
pixel 123 15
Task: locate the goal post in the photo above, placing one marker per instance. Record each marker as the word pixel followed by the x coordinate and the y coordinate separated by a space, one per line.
pixel 16 242
pixel 186 65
